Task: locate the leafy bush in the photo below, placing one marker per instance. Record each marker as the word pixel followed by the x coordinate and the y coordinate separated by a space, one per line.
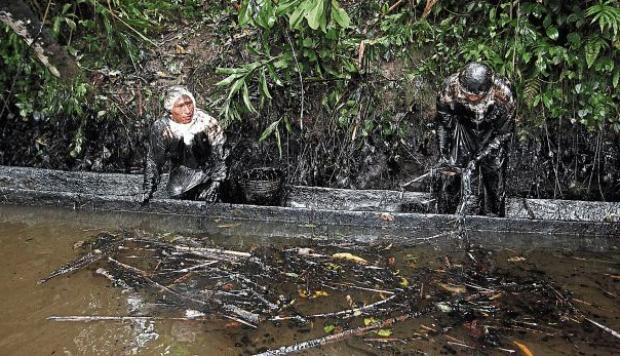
pixel 561 56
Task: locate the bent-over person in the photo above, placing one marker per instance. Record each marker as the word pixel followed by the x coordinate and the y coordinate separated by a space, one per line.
pixel 475 122
pixel 193 143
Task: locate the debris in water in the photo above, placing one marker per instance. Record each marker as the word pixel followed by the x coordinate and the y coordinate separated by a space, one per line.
pixel 291 287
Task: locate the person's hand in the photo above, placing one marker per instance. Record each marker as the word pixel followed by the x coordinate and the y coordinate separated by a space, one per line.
pixel 471 166
pixel 210 194
pixel 446 166
pixel 145 198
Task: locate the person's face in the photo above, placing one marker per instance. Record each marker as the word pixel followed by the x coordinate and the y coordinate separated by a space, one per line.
pixel 474 98
pixel 182 110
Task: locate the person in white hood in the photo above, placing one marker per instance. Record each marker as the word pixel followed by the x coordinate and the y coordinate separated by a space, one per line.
pixel 193 143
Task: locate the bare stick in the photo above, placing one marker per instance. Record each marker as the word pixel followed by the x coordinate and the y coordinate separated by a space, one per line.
pixel 609 330
pixel 352 286
pixel 73 266
pixel 188 269
pixel 251 317
pixel 305 345
pixel 214 253
pixel 345 313
pixel 88 318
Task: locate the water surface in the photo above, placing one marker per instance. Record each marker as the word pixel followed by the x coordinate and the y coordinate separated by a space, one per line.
pixel 36 241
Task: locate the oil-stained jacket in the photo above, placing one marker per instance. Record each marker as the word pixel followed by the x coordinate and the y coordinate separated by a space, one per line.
pixel 474 131
pixel 476 135
pixel 195 151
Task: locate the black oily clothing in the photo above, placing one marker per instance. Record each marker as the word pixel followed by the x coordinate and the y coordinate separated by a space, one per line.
pixel 477 132
pixel 193 164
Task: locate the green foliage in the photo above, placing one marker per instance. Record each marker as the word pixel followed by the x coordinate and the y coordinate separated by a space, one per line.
pixel 560 56
pixel 110 30
pixel 98 33
pixel 308 33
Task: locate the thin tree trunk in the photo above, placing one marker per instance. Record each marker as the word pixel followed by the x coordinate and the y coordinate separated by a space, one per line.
pixel 24 22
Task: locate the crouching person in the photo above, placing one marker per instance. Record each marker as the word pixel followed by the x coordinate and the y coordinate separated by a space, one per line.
pixel 475 117
pixel 193 143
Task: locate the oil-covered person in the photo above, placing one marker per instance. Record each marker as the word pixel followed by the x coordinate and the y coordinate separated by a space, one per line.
pixel 193 142
pixel 475 122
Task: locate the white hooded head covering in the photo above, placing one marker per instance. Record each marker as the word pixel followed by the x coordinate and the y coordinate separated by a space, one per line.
pixel 183 131
pixel 173 94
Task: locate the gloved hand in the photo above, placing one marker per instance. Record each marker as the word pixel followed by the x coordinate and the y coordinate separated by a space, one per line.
pixel 145 198
pixel 446 165
pixel 471 166
pixel 210 194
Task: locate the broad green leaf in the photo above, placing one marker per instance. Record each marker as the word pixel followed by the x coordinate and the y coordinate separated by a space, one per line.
pixel 235 87
pixel 300 12
pixel 274 76
pixel 547 101
pixel 228 80
pixel 223 70
pixel 285 5
pixel 266 15
pixel 269 130
pixel 245 15
pixel 296 17
pixel 263 85
pixel 314 15
pixel 340 15
pixel 592 50
pixel 553 32
pixel 246 98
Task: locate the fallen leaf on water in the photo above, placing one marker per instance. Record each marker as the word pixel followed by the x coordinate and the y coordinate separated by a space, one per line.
pixel 316 294
pixel 328 329
pixel 523 348
pixel 349 257
pixel 180 49
pixel 404 282
pixel 319 294
pixel 454 289
pixel 369 321
pixel 384 332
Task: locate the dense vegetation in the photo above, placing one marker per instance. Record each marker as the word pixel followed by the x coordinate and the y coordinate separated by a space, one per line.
pixel 334 89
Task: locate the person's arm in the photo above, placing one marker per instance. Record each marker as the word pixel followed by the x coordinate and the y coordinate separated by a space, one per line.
pixel 445 122
pixel 503 119
pixel 217 139
pixel 155 160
